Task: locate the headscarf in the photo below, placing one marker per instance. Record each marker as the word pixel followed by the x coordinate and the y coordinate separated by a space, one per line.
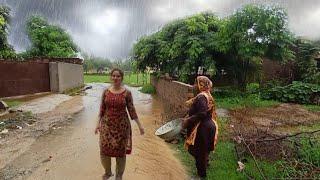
pixel 204 85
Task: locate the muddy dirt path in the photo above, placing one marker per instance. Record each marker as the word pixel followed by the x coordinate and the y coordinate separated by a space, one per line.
pixel 70 150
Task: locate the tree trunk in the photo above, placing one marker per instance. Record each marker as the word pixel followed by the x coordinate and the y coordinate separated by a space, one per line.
pixel 242 74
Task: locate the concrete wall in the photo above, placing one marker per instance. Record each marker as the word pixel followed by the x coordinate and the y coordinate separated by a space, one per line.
pixel 64 76
pixel 174 94
pixel 54 77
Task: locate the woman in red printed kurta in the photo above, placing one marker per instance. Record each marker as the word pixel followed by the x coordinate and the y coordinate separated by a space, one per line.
pixel 114 125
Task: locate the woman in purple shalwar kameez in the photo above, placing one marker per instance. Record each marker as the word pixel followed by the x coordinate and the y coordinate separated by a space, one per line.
pixel 202 129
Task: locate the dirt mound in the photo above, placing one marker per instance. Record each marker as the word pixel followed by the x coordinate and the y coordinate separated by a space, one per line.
pixel 259 128
pixel 270 119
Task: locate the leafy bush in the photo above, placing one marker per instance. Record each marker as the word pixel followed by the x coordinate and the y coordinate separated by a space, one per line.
pixel 252 88
pixel 297 92
pixel 148 89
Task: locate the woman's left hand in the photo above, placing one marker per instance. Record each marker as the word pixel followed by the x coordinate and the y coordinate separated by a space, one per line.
pixel 184 123
pixel 141 130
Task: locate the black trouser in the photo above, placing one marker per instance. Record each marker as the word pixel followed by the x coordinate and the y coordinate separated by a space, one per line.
pixel 201 161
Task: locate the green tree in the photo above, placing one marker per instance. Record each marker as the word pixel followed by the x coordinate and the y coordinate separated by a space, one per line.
pixel 6 50
pixel 48 40
pixel 95 63
pixel 249 35
pixel 180 47
pixel 87 65
pixel 306 69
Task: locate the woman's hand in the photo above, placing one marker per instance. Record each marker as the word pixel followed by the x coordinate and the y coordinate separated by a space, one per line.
pixel 97 130
pixel 141 129
pixel 184 123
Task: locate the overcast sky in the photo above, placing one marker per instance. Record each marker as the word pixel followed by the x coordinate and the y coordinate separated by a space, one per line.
pixel 108 28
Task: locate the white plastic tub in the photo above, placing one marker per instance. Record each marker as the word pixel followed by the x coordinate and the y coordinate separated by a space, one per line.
pixel 170 130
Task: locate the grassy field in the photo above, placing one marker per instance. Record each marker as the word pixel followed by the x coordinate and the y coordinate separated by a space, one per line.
pixel 12 103
pixel 252 101
pixel 129 79
pixel 313 108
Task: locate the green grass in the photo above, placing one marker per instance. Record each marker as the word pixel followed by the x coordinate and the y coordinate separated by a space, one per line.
pixel 148 89
pixel 131 79
pixel 12 103
pixel 88 78
pixel 223 163
pixel 252 101
pixel 73 91
pixel 313 108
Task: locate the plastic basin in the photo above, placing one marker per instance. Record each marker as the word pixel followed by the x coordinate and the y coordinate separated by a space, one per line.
pixel 170 129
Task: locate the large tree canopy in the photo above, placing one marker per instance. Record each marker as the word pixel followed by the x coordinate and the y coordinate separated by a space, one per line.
pixel 252 33
pixel 48 40
pixel 6 50
pixel 236 43
pixel 180 47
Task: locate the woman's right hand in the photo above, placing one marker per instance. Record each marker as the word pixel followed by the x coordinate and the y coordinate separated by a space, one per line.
pixel 97 130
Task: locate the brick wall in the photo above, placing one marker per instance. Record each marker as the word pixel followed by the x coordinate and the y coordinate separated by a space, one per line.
pixel 20 78
pixel 34 76
pixel 174 94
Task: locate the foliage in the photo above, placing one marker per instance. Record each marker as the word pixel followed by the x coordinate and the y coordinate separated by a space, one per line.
pixel 6 50
pixel 306 160
pixel 236 44
pixel 306 68
pixel 297 92
pixel 148 89
pixel 95 63
pixel 92 63
pixel 253 88
pixel 180 47
pixel 48 40
pixel 252 33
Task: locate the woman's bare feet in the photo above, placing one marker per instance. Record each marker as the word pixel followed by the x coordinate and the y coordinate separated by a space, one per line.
pixel 106 176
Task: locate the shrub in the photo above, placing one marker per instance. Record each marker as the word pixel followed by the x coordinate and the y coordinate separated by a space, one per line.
pixel 297 92
pixel 252 88
pixel 148 89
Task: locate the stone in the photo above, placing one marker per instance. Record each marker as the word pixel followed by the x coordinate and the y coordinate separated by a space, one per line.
pixel 12 110
pixel 175 141
pixel 5 131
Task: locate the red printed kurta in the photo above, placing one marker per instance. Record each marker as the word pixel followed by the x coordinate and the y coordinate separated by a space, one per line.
pixel 115 128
